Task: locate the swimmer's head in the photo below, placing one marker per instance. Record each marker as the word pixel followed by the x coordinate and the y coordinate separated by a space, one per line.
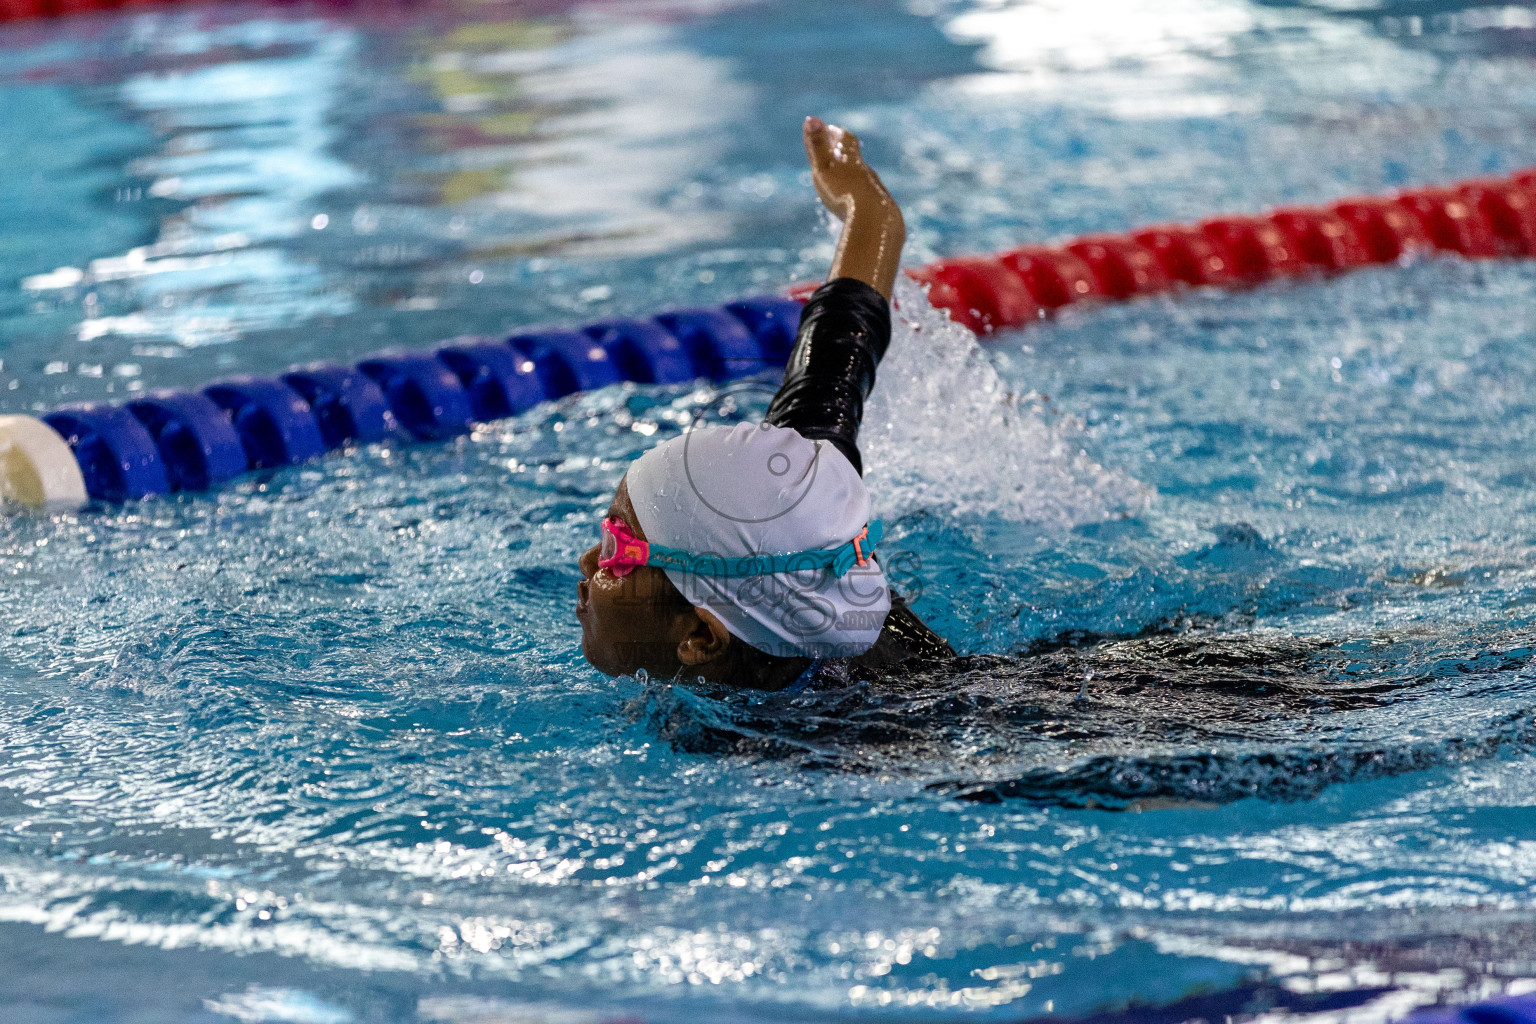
pixel 732 492
pixel 640 620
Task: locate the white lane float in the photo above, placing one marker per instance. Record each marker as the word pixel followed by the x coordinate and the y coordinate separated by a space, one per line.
pixel 37 469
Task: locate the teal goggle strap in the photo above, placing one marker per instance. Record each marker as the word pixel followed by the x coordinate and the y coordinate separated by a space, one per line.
pixel 839 559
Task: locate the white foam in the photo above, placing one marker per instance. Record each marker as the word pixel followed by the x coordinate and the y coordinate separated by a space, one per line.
pixel 943 431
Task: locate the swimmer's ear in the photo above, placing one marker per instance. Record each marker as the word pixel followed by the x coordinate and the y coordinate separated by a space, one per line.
pixel 707 640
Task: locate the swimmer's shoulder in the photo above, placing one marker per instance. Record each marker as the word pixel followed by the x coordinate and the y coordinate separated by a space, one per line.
pixel 905 642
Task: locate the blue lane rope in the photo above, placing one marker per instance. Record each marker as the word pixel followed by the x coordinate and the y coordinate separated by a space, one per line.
pixel 275 425
pixel 118 457
pixel 1502 1010
pixel 169 441
pixel 347 404
pixel 194 437
pixel 426 397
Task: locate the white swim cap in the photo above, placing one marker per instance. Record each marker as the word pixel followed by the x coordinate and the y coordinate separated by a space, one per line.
pixel 753 489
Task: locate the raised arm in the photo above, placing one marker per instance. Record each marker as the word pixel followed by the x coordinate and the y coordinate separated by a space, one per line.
pixel 869 249
pixel 845 328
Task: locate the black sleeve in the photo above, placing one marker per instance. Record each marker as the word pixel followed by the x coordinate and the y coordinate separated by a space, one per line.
pixel 844 331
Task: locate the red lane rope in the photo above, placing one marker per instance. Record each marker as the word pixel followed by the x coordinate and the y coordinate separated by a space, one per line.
pixel 1484 218
pixel 21 10
pixel 25 10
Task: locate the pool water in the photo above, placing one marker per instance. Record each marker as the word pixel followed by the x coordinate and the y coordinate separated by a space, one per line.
pixel 1246 580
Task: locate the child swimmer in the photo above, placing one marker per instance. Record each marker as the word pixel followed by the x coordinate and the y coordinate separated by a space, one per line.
pixel 745 554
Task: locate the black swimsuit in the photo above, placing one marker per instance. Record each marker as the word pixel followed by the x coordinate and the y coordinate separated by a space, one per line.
pixel 845 329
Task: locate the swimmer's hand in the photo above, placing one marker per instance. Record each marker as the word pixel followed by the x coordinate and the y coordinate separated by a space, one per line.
pixel 843 180
pixel 869 249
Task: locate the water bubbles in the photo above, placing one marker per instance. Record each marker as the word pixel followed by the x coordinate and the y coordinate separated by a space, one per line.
pixel 943 432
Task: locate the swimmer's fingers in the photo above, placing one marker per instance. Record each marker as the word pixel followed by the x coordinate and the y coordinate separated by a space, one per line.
pixel 827 143
pixel 842 178
pixel 820 150
pixel 869 246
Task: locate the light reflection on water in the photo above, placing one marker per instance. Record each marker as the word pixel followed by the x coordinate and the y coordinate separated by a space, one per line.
pixel 336 713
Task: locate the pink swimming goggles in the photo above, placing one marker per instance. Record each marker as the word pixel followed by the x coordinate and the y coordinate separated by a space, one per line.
pixel 622 553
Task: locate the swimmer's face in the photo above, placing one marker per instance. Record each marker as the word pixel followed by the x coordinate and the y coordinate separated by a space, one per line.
pixel 640 621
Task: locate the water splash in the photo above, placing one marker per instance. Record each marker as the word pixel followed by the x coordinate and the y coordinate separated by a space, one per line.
pixel 942 431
